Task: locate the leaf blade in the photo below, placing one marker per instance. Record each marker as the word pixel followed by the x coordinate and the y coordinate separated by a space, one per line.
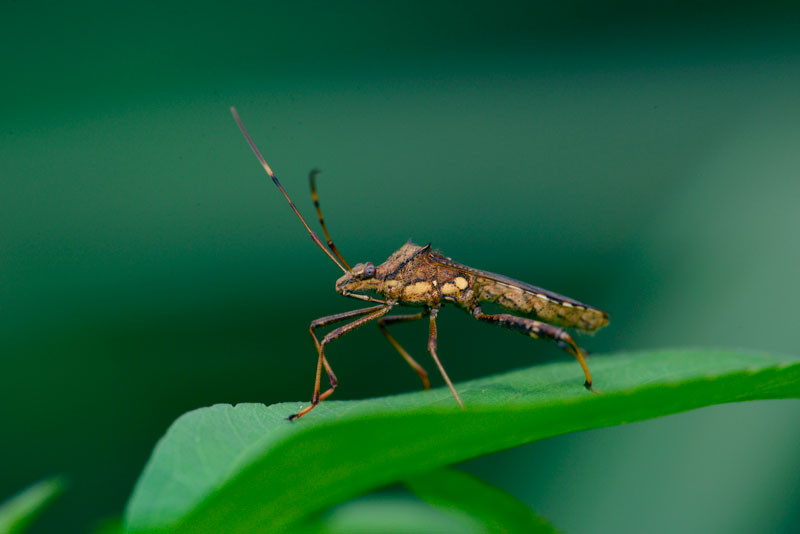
pixel 497 510
pixel 22 509
pixel 395 515
pixel 201 478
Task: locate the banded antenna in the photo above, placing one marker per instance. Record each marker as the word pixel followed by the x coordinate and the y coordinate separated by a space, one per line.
pixel 289 200
pixel 312 178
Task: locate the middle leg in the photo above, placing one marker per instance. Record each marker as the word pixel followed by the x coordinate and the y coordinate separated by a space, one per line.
pixel 432 342
pixel 383 322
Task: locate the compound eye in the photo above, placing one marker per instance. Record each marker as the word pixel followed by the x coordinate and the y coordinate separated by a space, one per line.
pixel 369 270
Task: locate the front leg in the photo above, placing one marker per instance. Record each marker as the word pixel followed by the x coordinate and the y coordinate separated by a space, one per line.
pixel 331 319
pixel 537 329
pixel 373 313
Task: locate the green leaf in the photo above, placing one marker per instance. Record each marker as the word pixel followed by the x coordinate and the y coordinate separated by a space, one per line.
pixel 110 525
pixel 245 468
pixel 21 509
pixel 497 510
pixel 389 515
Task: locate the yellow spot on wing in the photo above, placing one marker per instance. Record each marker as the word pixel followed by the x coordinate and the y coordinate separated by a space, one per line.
pixel 461 282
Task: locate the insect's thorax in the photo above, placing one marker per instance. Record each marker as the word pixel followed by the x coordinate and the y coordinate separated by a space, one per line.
pixel 421 283
pixel 408 277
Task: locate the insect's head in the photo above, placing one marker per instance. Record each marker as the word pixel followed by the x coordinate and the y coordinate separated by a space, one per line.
pixel 360 280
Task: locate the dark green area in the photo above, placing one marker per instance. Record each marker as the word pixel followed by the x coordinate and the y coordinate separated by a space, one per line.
pixel 643 161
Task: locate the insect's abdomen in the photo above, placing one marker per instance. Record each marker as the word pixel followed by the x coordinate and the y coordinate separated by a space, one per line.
pixel 542 307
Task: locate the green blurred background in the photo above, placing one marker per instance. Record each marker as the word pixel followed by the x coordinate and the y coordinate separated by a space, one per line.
pixel 643 161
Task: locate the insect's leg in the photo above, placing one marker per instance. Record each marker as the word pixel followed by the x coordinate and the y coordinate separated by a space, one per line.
pixel 432 349
pixel 330 336
pixel 331 319
pixel 383 322
pixel 538 329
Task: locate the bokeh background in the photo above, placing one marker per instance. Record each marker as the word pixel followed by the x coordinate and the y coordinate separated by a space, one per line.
pixel 643 161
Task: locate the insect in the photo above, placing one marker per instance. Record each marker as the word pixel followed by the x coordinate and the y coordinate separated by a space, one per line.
pixel 422 277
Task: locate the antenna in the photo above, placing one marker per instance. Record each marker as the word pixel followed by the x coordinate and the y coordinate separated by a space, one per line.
pixel 312 177
pixel 277 183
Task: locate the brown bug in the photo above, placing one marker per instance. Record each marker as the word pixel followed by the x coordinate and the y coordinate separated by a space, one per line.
pixel 420 276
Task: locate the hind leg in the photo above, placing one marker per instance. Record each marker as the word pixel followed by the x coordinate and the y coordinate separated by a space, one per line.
pixel 538 329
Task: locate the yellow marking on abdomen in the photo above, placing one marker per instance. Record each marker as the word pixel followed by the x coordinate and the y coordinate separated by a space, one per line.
pixel 449 288
pixel 543 307
pixel 417 289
